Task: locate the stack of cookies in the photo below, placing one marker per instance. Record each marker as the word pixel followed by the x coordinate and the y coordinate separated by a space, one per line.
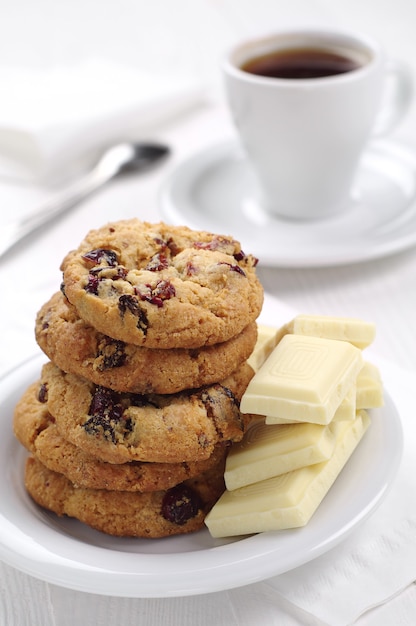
pixel 148 341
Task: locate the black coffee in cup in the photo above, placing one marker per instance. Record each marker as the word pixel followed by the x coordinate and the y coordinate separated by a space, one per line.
pixel 301 63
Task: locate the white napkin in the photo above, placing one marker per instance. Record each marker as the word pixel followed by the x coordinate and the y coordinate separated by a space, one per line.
pixel 379 559
pixel 52 118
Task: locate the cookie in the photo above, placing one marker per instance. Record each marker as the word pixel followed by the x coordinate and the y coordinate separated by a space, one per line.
pixel 181 509
pixel 76 347
pixel 162 286
pixel 120 427
pixel 36 430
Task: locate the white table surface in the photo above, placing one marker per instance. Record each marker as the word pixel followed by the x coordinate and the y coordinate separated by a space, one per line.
pixel 189 36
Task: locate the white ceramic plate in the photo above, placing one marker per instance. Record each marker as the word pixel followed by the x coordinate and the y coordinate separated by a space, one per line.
pixel 67 553
pixel 215 190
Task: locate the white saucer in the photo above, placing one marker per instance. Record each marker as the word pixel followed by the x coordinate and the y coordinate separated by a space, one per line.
pixel 216 190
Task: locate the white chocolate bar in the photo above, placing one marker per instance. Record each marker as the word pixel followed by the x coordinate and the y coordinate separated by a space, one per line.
pixel 358 332
pixel 367 393
pixel 267 339
pixel 305 378
pixel 289 500
pixel 369 387
pixel 346 410
pixel 268 451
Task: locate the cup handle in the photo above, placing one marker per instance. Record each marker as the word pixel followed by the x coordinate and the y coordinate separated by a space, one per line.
pixel 397 97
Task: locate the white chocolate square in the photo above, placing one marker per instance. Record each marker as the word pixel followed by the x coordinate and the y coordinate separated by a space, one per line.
pixel 268 451
pixel 305 378
pixel 358 332
pixel 267 339
pixel 369 387
pixel 346 410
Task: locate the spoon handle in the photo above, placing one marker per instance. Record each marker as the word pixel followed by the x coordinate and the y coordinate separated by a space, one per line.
pixel 109 166
pixel 14 232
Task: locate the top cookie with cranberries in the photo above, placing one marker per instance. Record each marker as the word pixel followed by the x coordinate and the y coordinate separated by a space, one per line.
pixel 162 286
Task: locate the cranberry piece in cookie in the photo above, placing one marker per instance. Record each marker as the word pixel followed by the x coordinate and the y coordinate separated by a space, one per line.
pixel 180 504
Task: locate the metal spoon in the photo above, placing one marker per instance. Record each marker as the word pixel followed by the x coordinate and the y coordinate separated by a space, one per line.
pixel 123 157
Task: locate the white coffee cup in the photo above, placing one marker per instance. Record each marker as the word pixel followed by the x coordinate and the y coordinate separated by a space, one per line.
pixel 304 136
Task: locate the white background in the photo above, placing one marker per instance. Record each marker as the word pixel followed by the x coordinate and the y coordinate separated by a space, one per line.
pixel 184 37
